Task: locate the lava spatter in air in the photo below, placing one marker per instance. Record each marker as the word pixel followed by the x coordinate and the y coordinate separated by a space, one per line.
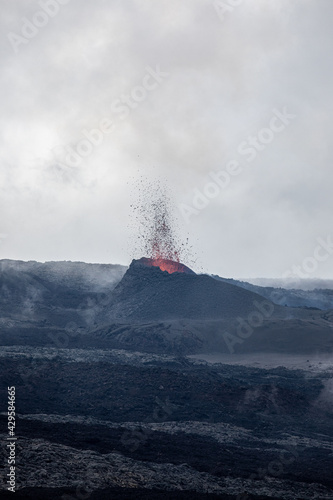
pixel 158 229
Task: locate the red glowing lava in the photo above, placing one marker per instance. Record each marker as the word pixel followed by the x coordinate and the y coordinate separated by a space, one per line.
pixel 167 265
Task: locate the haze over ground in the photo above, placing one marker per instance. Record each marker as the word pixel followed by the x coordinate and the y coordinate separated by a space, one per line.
pixel 201 84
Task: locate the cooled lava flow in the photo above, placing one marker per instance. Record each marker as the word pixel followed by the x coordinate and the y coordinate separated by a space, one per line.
pixel 166 265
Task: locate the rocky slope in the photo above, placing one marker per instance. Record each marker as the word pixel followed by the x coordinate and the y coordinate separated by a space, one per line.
pixel 316 298
pixel 110 405
pixel 168 424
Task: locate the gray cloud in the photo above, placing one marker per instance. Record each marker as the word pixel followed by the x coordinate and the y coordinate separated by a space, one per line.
pixel 224 79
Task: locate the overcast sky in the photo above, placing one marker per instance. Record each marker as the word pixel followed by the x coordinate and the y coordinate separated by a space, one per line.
pixel 178 91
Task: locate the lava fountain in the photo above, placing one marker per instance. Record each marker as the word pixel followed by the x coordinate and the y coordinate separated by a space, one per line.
pixel 166 265
pixel 158 229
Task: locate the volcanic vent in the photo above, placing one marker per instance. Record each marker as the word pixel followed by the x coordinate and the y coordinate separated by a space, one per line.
pixel 165 265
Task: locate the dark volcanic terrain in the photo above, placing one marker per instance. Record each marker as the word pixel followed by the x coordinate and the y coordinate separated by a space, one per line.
pixel 114 399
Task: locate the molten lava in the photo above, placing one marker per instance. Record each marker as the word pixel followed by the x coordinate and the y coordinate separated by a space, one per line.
pixel 166 265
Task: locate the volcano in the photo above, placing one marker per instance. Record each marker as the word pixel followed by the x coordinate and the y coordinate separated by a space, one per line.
pixel 160 290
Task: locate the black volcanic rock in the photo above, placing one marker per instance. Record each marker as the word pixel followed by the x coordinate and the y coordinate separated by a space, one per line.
pixel 311 299
pixel 38 291
pixel 147 293
pixel 72 304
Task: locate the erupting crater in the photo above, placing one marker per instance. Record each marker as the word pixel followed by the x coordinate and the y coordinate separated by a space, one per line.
pixel 170 266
